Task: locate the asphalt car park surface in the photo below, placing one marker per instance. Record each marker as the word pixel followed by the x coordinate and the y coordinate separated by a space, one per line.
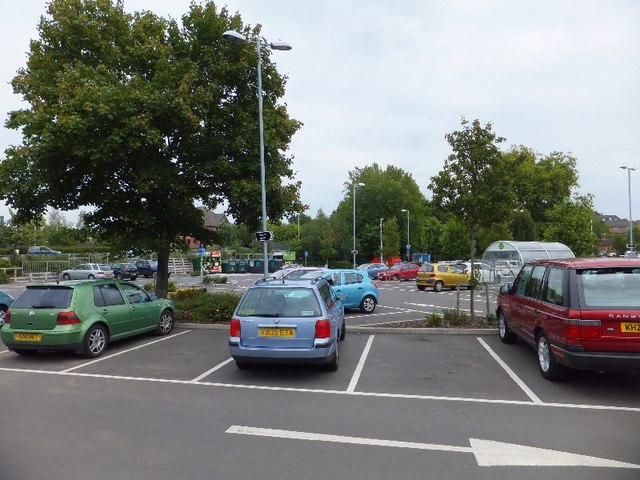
pixel 400 406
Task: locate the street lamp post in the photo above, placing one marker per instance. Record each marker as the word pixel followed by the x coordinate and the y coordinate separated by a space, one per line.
pixel 381 254
pixel 354 251
pixel 631 247
pixel 238 37
pixel 408 244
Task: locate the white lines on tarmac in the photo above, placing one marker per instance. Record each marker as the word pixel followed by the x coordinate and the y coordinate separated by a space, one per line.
pixel 211 370
pixel 358 371
pixel 329 392
pixel 534 398
pixel 124 351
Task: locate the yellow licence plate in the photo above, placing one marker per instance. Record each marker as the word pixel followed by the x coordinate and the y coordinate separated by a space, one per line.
pixel 28 337
pixel 626 327
pixel 277 332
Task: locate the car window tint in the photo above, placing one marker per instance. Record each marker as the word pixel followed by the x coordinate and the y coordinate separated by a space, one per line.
pixel 520 283
pixel 326 295
pixel 456 269
pixel 553 292
pixel 534 286
pixel 105 295
pixel 134 294
pixel 443 268
pixel 83 266
pixel 336 278
pixel 44 297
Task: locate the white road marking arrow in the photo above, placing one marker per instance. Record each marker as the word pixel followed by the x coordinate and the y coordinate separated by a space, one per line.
pixel 488 453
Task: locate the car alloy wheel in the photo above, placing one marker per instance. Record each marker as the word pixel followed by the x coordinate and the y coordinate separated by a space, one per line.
pixel 368 304
pixel 165 325
pixel 547 362
pixel 95 341
pixel 506 335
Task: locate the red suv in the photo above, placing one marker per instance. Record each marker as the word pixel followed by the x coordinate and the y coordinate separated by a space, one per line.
pixel 577 313
pixel 400 271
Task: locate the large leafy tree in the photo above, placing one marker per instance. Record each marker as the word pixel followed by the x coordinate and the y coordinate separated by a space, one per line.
pixel 473 185
pixel 571 223
pixel 139 118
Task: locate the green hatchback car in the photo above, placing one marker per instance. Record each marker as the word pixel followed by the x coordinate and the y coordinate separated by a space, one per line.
pixel 83 316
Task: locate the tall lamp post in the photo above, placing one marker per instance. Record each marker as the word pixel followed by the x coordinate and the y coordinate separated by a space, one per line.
pixel 408 244
pixel 238 37
pixel 354 251
pixel 631 247
pixel 381 254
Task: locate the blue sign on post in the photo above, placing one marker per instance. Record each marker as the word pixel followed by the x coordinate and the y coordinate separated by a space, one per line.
pixel 201 251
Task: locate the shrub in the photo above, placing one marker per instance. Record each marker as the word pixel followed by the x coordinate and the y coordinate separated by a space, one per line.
pixel 434 320
pixel 455 318
pixel 215 279
pixel 203 307
pixel 4 278
pixel 492 320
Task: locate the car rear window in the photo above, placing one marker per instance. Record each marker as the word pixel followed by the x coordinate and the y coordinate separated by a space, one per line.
pixel 280 302
pixel 426 268
pixel 44 297
pixel 615 287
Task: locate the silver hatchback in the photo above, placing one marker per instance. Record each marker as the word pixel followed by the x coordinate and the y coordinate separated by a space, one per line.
pixel 87 271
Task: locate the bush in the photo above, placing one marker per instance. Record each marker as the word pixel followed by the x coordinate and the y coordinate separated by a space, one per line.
pixel 4 278
pixel 215 279
pixel 455 318
pixel 199 306
pixel 492 320
pixel 434 320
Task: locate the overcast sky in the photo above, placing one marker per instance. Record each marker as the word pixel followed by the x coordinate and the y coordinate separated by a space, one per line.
pixel 382 82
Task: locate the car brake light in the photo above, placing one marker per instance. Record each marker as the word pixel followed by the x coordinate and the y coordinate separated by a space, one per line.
pixel 67 318
pixel 323 329
pixel 7 316
pixel 234 327
pixel 375 284
pixel 577 330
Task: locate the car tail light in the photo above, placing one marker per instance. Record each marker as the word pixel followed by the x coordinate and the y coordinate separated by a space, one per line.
pixel 67 318
pixel 323 329
pixel 234 327
pixel 7 316
pixel 375 284
pixel 577 330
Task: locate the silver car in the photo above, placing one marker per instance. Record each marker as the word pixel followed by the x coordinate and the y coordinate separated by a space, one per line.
pixel 87 271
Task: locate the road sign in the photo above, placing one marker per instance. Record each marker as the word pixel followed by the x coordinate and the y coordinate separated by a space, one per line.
pixel 631 246
pixel 264 236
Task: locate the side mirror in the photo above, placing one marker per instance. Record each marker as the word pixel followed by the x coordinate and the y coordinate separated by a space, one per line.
pixel 506 288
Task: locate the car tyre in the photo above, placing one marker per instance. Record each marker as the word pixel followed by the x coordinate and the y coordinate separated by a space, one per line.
pixel 133 277
pixel 396 278
pixel 242 365
pixel 95 341
pixel 549 368
pixel 368 304
pixel 166 322
pixel 438 286
pixel 343 332
pixel 334 362
pixel 66 276
pixel 506 335
pixel 91 277
pixel 421 287
pixel 119 276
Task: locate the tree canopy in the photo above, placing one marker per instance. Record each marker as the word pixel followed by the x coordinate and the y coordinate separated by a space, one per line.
pixel 140 119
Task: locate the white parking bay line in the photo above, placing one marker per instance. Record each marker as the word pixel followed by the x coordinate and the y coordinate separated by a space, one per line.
pixel 210 371
pixel 124 351
pixel 534 398
pixel 356 375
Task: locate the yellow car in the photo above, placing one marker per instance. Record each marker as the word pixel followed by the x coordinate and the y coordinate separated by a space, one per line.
pixel 440 276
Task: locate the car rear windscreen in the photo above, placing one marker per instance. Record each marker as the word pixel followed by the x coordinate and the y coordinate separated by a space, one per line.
pixel 615 287
pixel 44 297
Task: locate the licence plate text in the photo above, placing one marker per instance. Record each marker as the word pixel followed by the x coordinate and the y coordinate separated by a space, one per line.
pixel 277 332
pixel 626 327
pixel 28 337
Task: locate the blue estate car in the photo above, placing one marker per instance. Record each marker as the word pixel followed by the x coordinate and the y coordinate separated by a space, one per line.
pixel 287 321
pixel 373 269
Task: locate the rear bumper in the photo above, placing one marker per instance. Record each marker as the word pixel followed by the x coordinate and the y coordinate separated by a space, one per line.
pixel 51 340
pixel 597 360
pixel 317 356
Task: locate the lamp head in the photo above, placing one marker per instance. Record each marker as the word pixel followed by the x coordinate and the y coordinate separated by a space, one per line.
pixel 280 46
pixel 234 36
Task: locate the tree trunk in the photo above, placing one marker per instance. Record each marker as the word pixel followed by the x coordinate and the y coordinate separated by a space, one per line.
pixel 162 275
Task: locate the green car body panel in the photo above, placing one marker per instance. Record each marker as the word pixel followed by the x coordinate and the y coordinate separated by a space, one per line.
pixel 59 316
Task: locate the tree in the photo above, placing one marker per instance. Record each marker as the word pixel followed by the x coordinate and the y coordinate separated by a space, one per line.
pixel 473 184
pixel 390 238
pixel 139 118
pixel 570 223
